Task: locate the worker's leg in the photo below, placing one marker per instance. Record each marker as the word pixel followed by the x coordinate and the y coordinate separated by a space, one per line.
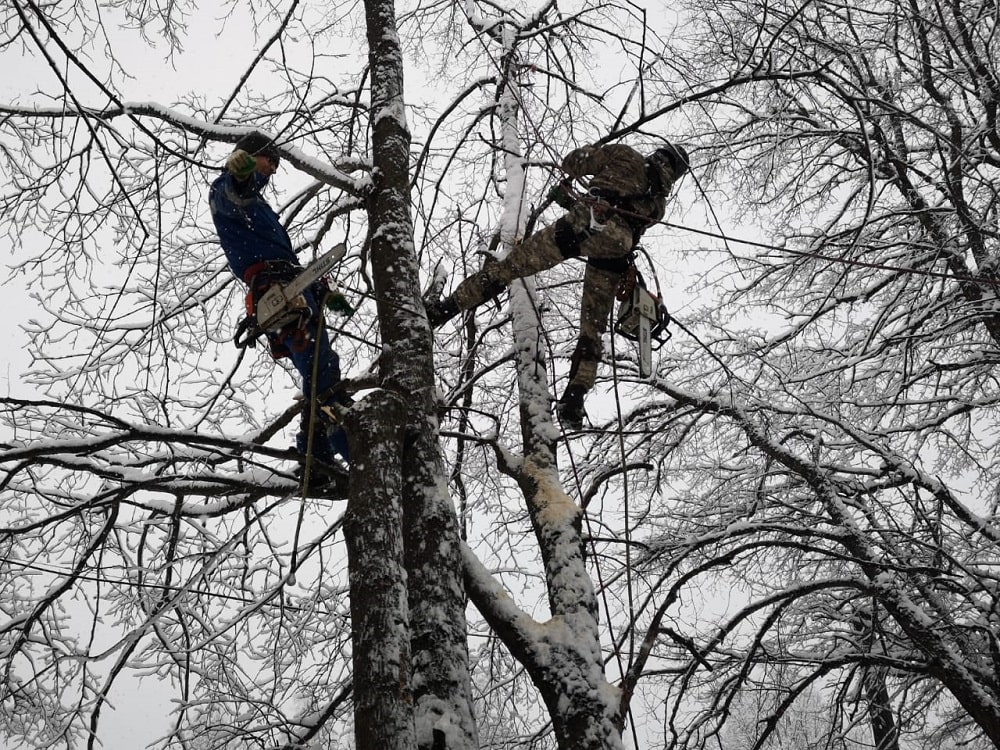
pixel 537 253
pixel 614 240
pixel 599 286
pixel 319 366
pixel 572 235
pixel 607 253
pixel 607 260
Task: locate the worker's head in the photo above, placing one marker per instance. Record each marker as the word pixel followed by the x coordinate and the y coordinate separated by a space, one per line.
pixel 263 150
pixel 665 166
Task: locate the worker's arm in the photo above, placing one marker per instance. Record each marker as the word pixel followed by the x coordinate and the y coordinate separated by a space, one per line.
pixel 586 160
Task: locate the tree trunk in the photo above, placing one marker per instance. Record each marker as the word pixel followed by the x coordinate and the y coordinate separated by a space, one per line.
pixel 885 733
pixel 383 704
pixel 440 681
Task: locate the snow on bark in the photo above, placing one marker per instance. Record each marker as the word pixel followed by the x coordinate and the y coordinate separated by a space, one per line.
pixel 438 671
pixel 563 656
pixel 557 521
pixel 373 529
pixel 335 174
pixel 442 687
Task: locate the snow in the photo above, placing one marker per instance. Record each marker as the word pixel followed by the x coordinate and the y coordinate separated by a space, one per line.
pixel 751 427
pixel 322 169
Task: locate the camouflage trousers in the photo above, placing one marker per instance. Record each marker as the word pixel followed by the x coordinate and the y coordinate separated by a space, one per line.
pixel 605 246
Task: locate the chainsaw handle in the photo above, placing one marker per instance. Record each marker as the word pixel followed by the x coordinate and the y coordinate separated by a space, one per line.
pixel 657 332
pixel 247 327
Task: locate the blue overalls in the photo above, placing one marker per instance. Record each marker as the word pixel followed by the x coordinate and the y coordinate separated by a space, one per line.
pixel 259 252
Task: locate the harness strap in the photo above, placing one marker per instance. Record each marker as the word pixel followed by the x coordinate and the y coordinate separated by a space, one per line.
pixel 623 206
pixel 274 270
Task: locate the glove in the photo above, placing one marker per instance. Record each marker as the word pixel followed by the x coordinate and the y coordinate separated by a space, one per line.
pixel 562 194
pixel 240 164
pixel 338 303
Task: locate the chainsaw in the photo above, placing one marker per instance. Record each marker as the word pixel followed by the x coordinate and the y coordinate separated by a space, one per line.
pixel 282 304
pixel 643 318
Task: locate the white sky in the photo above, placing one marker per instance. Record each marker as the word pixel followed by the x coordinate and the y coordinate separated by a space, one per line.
pixel 136 713
pixel 214 55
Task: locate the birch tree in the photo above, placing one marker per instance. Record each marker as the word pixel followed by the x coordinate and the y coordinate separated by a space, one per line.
pixel 562 655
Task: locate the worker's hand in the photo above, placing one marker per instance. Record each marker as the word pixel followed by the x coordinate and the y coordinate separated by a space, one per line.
pixel 240 164
pixel 562 194
pixel 338 303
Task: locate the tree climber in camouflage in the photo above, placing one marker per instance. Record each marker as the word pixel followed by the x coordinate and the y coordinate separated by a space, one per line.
pixel 260 254
pixel 626 195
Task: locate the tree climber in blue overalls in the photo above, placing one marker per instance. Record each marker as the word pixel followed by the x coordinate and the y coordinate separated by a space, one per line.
pixel 260 254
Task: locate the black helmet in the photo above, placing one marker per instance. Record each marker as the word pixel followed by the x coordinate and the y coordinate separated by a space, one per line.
pixel 257 144
pixel 667 164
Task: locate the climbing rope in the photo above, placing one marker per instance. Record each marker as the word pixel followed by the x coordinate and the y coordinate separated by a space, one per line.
pixel 626 504
pixel 601 579
pixel 311 431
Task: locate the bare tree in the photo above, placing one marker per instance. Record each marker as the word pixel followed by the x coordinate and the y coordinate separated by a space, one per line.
pixel 827 434
pixel 804 488
pixel 154 524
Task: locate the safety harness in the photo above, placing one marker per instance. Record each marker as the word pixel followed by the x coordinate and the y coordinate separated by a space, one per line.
pixel 276 304
pixel 642 317
pixel 603 203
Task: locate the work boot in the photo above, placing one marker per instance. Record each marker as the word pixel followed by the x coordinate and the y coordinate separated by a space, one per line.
pixel 329 441
pixel 327 464
pixel 570 407
pixel 440 311
pixel 325 479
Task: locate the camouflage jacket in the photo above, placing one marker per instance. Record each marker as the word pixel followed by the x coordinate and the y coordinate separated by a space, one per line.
pixel 618 175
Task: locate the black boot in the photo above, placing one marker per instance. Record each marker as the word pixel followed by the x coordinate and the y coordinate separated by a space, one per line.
pixel 325 480
pixel 441 311
pixel 570 408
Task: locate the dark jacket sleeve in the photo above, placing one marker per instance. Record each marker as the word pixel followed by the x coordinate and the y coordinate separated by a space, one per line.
pixel 615 167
